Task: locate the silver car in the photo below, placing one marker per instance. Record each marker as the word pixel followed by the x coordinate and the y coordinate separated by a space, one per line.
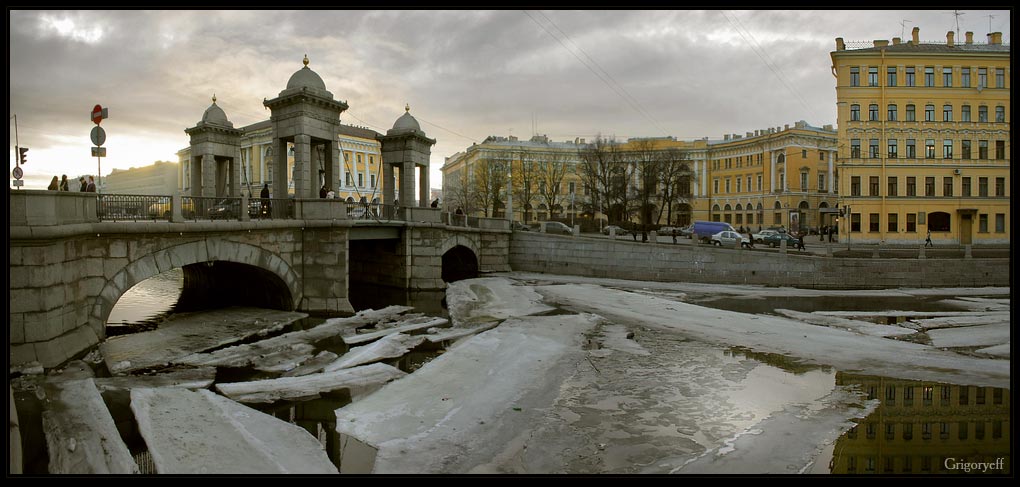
pixel 729 239
pixel 556 227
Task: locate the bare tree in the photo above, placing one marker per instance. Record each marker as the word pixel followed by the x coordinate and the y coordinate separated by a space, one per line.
pixel 490 181
pixel 647 163
pixel 596 168
pixel 675 171
pixel 458 192
pixel 524 181
pixel 550 178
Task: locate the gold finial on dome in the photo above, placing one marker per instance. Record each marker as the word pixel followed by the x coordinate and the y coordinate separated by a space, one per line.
pixel 407 107
pixel 305 60
pixel 214 98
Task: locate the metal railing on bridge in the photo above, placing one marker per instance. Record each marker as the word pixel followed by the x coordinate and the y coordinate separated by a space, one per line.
pixel 134 207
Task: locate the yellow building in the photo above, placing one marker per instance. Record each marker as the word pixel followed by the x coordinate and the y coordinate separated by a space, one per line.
pixel 757 179
pixel 925 428
pixel 360 172
pixel 924 140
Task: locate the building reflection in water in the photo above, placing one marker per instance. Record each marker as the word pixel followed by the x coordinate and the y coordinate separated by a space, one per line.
pixel 926 428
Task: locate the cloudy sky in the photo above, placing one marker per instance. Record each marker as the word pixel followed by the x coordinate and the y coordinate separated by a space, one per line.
pixel 466 74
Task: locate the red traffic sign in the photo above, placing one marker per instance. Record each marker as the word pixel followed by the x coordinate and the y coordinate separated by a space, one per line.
pixel 18 172
pixel 98 114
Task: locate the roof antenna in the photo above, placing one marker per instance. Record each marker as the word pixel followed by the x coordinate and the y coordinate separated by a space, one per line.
pixel 958 13
pixel 990 17
pixel 903 27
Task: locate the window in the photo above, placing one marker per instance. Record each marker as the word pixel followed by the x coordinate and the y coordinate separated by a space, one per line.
pixel 982 113
pixel 361 180
pixel 911 117
pixel 715 186
pixel 873 148
pixel 965 113
pixel 873 186
pixel 946 393
pixel 893 186
pixel 777 218
pixel 911 222
pixel 1000 149
pixel 890 430
pixel 965 78
pixel 982 149
pixel 997 395
pixel 965 187
pixel 749 183
pixel 982 77
pixel 892 149
pixel 925 431
pixel 947 77
pixel 571 187
pixel 855 186
pixel 947 149
pixel 1000 78
pixel 891 109
pixel 908 431
pixel 979 430
pixel 947 113
pixel 350 179
pixel 855 76
pixel 891 76
pixel 873 112
pixel 803 181
pixel 738 184
pixel 892 222
pixel 855 222
pixel 926 395
pixel 982 228
pixel 873 76
pixel 727 185
pixel 997 429
pixel 911 149
pixel 371 159
pixel 929 186
pixel 855 148
pixel 947 186
pixel 821 155
pixel 1000 114
pixel 911 186
pixel 962 430
pixel 939 222
pixel 821 182
pixel 1000 227
pixel 1000 187
pixel 944 431
pixel 373 181
pixel 759 182
pixel 965 149
pixel 803 154
pixel 851 464
pixel 929 113
pixel 910 76
pixel 360 159
pixel 929 149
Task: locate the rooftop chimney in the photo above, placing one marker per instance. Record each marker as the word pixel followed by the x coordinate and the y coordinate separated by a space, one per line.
pixel 995 38
pixel 914 34
pixel 895 41
pixel 949 38
pixel 881 43
pixel 749 135
pixel 840 46
pixel 726 137
pixel 970 38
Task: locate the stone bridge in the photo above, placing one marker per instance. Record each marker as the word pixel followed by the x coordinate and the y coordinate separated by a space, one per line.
pixel 68 269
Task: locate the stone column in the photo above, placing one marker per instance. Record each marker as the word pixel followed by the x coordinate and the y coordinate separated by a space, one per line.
pixel 235 177
pixel 704 177
pixel 208 175
pixel 304 182
pixel 333 168
pixel 388 184
pixel 280 175
pixel 423 186
pixel 772 171
pixel 407 183
pixel 196 176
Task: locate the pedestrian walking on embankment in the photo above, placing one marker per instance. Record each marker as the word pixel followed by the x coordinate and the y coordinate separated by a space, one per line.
pixel 927 241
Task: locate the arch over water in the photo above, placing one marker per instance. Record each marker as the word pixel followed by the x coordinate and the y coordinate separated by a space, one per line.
pixel 459 263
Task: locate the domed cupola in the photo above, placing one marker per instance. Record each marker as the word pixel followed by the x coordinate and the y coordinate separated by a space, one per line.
pixel 214 115
pixel 405 124
pixel 306 78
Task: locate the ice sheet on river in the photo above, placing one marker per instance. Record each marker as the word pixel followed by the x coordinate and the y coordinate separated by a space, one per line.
pixel 81 435
pixel 202 433
pixel 970 336
pixel 459 410
pixel 847 351
pixel 189 333
pixel 356 379
pixel 474 301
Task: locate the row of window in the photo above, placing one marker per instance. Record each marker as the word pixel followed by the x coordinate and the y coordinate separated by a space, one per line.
pixel 892 149
pixel 927 464
pixel 361 180
pixel 910 113
pixel 907 430
pixel 948 78
pixel 928 393
pixel 938 221
pixel 893 182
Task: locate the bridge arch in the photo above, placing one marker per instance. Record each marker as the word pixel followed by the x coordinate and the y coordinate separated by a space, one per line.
pixel 460 258
pixel 187 254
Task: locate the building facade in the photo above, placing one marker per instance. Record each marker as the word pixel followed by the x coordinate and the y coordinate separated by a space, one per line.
pixel 159 178
pixel 769 177
pixel 924 141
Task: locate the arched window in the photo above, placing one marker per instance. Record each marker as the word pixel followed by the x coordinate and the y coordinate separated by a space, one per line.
pixel 740 207
pixel 727 208
pixel 804 206
pixel 715 207
pixel 779 206
pixel 938 221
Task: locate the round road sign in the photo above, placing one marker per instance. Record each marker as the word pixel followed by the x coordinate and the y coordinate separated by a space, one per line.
pixel 97 114
pixel 18 173
pixel 98 135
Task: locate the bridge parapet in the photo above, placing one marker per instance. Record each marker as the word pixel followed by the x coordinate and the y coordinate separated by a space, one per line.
pixel 46 208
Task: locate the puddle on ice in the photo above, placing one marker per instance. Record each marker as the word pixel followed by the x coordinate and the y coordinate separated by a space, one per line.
pixel 758 304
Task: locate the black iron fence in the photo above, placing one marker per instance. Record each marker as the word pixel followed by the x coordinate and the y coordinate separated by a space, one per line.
pixel 133 207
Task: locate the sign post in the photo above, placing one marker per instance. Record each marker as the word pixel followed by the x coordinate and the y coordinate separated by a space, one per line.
pixel 98 137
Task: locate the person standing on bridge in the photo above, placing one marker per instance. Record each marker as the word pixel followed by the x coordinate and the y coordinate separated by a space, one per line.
pixel 54 184
pixel 63 183
pixel 322 191
pixel 264 195
pixel 91 188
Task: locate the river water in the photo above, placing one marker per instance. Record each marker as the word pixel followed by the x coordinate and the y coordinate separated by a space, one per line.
pixel 919 427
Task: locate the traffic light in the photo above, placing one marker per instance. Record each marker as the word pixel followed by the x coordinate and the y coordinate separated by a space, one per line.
pixel 22 151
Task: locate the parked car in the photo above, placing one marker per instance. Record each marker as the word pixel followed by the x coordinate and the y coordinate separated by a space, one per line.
pixel 556 227
pixel 704 229
pixel 226 209
pixel 162 208
pixel 687 231
pixel 619 230
pixel 773 240
pixel 760 236
pixel 520 227
pixel 667 231
pixel 728 238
